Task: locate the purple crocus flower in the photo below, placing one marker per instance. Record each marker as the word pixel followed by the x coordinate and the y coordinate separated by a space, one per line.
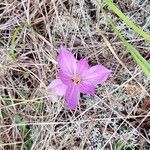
pixel 75 77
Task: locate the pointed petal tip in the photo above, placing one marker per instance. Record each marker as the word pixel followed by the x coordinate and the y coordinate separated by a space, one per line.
pixel 66 61
pixel 109 71
pixel 62 48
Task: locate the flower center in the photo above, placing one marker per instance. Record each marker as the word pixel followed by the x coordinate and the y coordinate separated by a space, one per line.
pixel 76 79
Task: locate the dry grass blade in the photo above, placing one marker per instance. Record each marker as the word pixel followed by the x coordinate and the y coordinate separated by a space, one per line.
pixel 31 117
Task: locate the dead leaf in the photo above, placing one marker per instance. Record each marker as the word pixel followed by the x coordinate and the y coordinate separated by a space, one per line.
pixel 146 104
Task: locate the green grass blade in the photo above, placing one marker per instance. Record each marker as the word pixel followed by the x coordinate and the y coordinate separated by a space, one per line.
pixel 127 21
pixel 145 66
pixel 13 42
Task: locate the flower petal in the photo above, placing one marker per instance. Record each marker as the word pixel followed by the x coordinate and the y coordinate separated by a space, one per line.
pixel 64 78
pixel 82 65
pixel 87 88
pixel 96 75
pixel 66 61
pixel 57 87
pixel 72 96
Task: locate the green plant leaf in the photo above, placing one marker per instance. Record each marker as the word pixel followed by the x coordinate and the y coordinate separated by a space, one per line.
pixel 119 145
pixel 4 114
pixel 11 53
pixel 127 21
pixel 25 130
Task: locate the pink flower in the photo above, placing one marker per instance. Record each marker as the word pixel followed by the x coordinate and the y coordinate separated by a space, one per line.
pixel 75 77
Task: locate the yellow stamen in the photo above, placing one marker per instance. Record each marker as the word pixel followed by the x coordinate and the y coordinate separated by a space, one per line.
pixel 76 79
